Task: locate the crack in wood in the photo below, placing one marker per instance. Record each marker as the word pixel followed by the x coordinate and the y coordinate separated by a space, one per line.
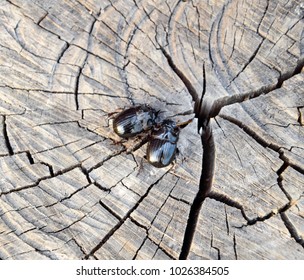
pixel 249 222
pixel 300 116
pixel 122 71
pixel 251 58
pixel 68 226
pixel 286 76
pixel 291 164
pixel 216 248
pixel 22 44
pixel 232 143
pixel 14 4
pixel 227 222
pixel 76 90
pixel 38 181
pixel 118 11
pixel 205 184
pixel 6 138
pixel 147 237
pixel 214 35
pixel 42 18
pixel 66 197
pixel 186 60
pixel 217 106
pixel 260 140
pixel 192 91
pixel 180 200
pixel 78 245
pixel 17 255
pixel 281 125
pixel 235 247
pixel 50 167
pixel 162 100
pixel 29 156
pixel 105 206
pixel 99 186
pixel 220 197
pixel 165 230
pixel 122 220
pixel 15 210
pixel 280 180
pixel 292 230
pixel 80 72
pixel 26 231
pixel 207 168
pixel 198 24
pixel 99 164
pixel 230 100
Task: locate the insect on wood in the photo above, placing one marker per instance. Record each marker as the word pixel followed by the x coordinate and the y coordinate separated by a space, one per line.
pixel 162 147
pixel 134 120
pixel 161 136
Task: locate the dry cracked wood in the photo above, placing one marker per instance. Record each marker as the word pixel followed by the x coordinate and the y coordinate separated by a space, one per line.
pixel 68 192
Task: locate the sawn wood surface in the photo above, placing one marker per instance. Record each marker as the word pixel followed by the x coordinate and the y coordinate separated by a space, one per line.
pixel 68 190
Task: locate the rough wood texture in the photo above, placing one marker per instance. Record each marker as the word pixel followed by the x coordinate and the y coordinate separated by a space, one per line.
pixel 68 192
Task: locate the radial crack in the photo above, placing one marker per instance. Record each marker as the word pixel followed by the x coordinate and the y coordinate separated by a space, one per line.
pixel 76 91
pixel 208 164
pixel 192 91
pixel 77 85
pixel 35 184
pixel 121 221
pixel 6 138
pixel 292 230
pixel 230 100
pixel 29 156
pixel 300 115
pixel 228 201
pixel 260 140
pixel 234 247
pixel 217 249
pixel 280 180
pixel 256 50
pixel 105 159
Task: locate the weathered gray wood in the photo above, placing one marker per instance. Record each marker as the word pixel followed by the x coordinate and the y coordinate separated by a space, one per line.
pixel 68 191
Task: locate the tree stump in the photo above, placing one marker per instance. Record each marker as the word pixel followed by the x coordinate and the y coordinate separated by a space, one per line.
pixel 68 190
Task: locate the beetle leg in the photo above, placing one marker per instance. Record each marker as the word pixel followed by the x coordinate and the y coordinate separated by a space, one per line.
pixel 184 124
pixel 114 112
pixel 139 144
pixel 119 142
pixel 180 155
pixel 140 166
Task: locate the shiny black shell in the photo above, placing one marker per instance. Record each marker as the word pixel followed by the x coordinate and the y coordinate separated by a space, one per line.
pixel 134 120
pixel 162 147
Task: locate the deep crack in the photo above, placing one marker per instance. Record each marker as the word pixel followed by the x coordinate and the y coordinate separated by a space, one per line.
pixel 292 230
pixel 122 220
pixel 6 138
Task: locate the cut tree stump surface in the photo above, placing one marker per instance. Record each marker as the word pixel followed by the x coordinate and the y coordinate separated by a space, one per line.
pixel 68 190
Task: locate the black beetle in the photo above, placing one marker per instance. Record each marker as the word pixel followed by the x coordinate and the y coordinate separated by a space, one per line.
pixel 134 121
pixel 162 147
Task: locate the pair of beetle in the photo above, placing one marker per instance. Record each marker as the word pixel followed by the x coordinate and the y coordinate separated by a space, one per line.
pixel 162 144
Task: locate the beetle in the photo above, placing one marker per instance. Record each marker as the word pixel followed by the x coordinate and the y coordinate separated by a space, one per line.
pixel 134 120
pixel 162 146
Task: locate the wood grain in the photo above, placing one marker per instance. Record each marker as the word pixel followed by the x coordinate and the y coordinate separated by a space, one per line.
pixel 68 190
